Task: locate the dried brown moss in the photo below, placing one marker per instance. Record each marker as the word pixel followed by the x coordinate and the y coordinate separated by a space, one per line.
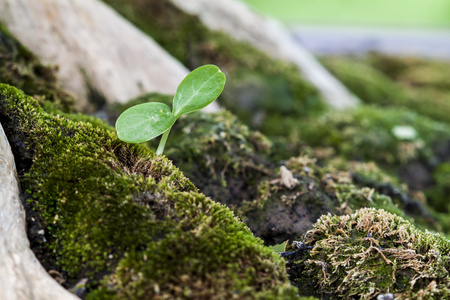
pixel 369 253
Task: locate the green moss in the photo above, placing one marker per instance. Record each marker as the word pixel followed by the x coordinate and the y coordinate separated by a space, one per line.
pixel 281 212
pixel 235 166
pixel 221 156
pixel 418 84
pixel 367 133
pixel 254 80
pixel 129 220
pixel 368 253
pixel 196 245
pixel 367 171
pixel 20 68
pixel 368 83
pixel 412 71
pixel 439 193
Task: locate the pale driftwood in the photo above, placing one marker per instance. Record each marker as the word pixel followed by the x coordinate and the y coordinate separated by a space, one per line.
pixel 21 275
pixel 92 43
pixel 236 19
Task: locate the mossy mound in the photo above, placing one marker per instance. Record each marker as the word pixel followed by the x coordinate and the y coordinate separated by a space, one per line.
pixel 254 79
pixel 20 68
pixel 282 212
pixel 369 253
pixel 128 220
pixel 368 83
pixel 368 134
pixel 235 166
pixel 222 157
pixel 413 71
pixel 418 84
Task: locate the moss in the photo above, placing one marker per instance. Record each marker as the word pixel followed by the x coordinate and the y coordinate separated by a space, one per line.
pixel 235 166
pixel 367 134
pixel 418 84
pixel 280 212
pixel 367 171
pixel 224 158
pixel 369 253
pixel 368 83
pixel 254 80
pixel 196 245
pixel 20 68
pixel 128 220
pixel 221 156
pixel 412 71
pixel 439 193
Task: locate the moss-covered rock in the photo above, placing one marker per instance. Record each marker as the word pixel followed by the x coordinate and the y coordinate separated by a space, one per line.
pixel 217 152
pixel 369 253
pixel 421 85
pixel 282 212
pixel 267 94
pixel 20 68
pixel 223 157
pixel 235 166
pixel 238 167
pixel 128 220
pixel 369 134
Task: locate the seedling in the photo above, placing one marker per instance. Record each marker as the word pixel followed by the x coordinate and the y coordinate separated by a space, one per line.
pixel 146 121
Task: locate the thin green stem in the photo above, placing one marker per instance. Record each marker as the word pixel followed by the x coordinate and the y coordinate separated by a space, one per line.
pixel 163 141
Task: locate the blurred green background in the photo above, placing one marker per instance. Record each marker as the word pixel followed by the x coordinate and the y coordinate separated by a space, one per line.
pixel 397 13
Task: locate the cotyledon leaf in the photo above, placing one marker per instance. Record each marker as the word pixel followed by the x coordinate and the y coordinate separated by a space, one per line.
pixel 280 247
pixel 198 89
pixel 144 122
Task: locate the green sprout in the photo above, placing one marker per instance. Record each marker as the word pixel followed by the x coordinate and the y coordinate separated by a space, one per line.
pixel 144 122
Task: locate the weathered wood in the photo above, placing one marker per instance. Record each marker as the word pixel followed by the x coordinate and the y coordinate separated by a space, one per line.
pixel 240 22
pixel 21 275
pixel 94 48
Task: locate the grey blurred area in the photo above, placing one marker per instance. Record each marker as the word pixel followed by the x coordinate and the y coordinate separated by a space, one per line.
pixel 328 40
